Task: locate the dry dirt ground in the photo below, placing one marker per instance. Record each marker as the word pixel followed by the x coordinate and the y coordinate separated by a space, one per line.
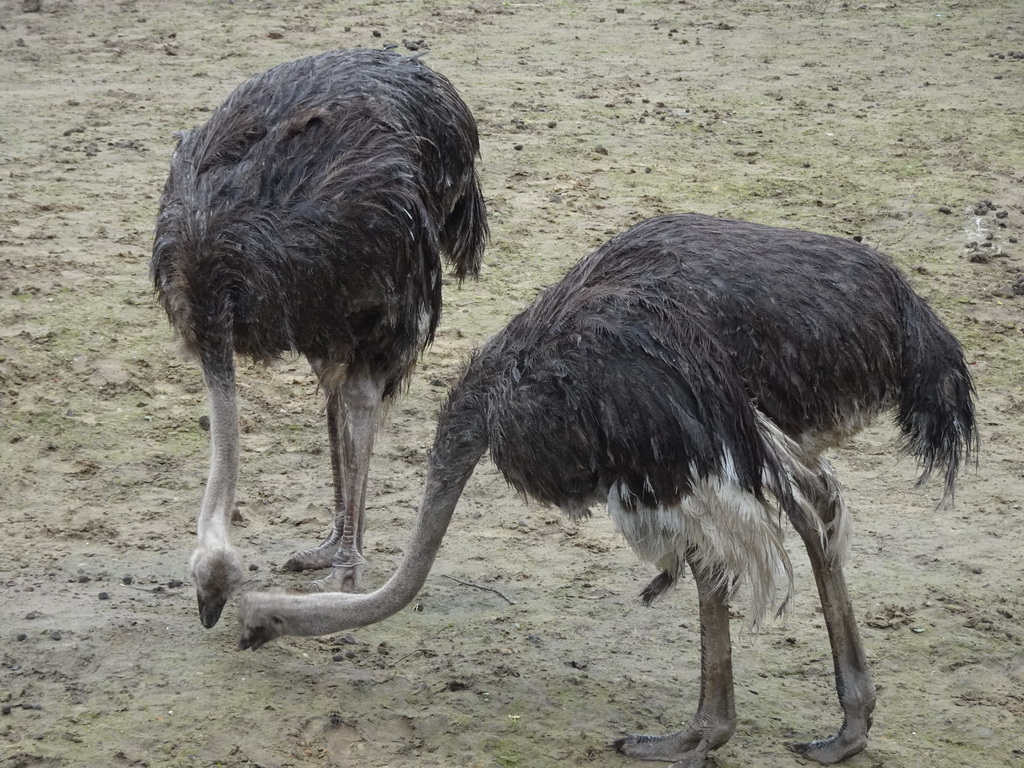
pixel 886 121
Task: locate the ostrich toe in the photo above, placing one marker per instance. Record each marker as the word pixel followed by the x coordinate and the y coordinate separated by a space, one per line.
pixel 834 749
pixel 345 576
pixel 687 748
pixel 313 559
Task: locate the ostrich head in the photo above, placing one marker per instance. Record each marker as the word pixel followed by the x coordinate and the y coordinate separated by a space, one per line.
pixel 218 575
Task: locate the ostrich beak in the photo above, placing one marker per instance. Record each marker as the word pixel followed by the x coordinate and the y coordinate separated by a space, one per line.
pixel 209 611
pixel 253 638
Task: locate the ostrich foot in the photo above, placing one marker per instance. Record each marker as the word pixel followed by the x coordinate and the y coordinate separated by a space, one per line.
pixel 832 750
pixel 688 748
pixel 217 574
pixel 345 576
pixel 315 558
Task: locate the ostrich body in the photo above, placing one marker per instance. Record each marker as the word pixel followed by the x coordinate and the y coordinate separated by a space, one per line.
pixel 683 373
pixel 309 214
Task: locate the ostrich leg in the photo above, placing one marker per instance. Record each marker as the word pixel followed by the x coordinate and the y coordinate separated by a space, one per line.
pixel 353 408
pixel 321 556
pixel 715 720
pixel 216 566
pixel 853 678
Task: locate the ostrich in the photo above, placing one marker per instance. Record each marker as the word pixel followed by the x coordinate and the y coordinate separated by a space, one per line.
pixel 308 215
pixel 683 373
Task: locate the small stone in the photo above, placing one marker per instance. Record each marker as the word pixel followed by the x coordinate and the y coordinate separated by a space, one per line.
pixel 337 657
pixel 55 634
pixel 6 709
pixel 275 35
pixel 552 124
pixel 600 150
pixel 945 209
pixel 376 33
pixel 32 615
pixel 21 637
pixel 1002 214
pixel 253 567
pixel 979 257
pixel 174 583
pixel 204 423
pixel 127 579
pixel 103 595
pixel 518 147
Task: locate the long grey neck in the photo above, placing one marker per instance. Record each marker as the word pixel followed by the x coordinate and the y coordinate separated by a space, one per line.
pixel 459 446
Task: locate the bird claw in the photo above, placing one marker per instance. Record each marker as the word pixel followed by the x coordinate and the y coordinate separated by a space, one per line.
pixel 313 559
pixel 833 749
pixel 344 577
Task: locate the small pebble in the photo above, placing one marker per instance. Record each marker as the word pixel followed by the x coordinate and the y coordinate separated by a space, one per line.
pixel 1002 214
pixel 253 567
pixel 552 124
pixel 945 209
pixel 6 709
pixel 103 595
pixel 32 615
pixel 517 147
pixel 127 579
pixel 600 150
pixel 204 424
pixel 22 637
pixel 55 634
pixel 376 33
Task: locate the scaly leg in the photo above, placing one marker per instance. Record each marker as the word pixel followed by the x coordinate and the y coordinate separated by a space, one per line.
pixel 216 566
pixel 357 403
pixel 321 556
pixel 853 678
pixel 715 720
pixel 361 395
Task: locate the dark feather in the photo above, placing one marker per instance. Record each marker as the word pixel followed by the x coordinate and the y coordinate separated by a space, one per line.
pixel 312 210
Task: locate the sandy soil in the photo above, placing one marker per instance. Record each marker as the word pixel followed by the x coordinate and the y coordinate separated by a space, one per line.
pixel 886 121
